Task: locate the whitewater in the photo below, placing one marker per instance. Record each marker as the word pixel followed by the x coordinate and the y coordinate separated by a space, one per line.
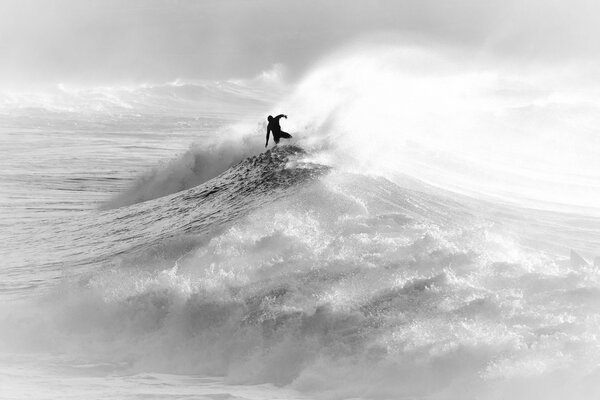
pixel 431 232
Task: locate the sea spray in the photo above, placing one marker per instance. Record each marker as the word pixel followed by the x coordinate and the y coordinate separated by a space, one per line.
pixel 340 281
pixel 466 125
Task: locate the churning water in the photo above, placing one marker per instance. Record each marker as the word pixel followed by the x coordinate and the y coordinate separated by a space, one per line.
pixel 426 235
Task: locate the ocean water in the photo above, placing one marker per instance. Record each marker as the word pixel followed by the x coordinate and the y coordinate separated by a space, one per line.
pixel 425 235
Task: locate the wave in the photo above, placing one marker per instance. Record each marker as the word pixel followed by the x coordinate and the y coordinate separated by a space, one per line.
pixel 196 166
pixel 250 184
pixel 472 128
pixel 320 268
pixel 340 285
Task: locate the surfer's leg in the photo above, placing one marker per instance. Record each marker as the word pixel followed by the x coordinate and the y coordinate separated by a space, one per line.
pixel 285 135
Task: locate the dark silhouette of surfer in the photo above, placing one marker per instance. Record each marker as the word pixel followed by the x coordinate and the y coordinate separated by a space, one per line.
pixel 274 127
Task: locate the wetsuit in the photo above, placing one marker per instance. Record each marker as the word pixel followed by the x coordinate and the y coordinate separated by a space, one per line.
pixel 274 127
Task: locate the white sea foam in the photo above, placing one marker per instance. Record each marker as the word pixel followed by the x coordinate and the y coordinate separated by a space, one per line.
pixel 347 282
pixel 351 287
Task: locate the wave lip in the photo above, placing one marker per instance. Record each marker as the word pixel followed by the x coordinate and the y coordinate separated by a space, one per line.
pixel 232 162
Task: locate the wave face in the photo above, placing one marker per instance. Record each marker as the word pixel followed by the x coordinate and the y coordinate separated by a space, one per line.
pixel 197 165
pixel 335 284
pixel 246 186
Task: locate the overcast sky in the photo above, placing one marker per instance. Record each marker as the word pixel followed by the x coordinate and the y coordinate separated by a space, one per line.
pixel 122 41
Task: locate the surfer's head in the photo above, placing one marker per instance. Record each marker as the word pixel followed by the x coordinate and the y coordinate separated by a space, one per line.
pixel 270 118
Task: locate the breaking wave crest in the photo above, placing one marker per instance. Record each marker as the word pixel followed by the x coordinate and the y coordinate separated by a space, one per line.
pixel 197 165
pixel 479 128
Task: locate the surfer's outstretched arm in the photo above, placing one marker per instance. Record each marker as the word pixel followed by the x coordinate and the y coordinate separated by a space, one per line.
pixel 281 115
pixel 268 132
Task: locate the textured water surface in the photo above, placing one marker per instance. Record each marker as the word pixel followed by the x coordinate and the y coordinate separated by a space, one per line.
pixel 149 252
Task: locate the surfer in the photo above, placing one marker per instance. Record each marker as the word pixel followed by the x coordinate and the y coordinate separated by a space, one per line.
pixel 274 127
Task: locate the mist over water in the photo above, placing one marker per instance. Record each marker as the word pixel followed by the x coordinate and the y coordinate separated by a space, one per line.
pixel 463 125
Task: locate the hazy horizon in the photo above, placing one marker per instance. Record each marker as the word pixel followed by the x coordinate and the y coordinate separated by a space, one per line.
pixel 120 42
